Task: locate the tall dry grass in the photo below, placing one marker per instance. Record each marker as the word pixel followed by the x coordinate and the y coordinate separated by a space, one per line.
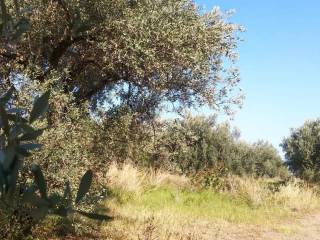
pixel 129 178
pixel 251 190
pixel 293 195
pixel 125 177
pixel 297 196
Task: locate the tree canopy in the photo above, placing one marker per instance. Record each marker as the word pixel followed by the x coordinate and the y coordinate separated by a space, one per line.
pixel 137 54
pixel 302 150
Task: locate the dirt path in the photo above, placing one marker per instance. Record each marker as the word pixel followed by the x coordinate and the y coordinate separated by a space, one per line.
pixel 303 228
pixel 306 227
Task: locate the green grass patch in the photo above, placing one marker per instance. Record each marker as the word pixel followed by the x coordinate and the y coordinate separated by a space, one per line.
pixel 196 205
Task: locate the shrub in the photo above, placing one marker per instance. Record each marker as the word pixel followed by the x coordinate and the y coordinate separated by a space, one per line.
pixel 195 143
pixel 260 159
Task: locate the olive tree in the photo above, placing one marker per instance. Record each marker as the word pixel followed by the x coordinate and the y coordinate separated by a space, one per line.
pixel 302 150
pixel 196 144
pixel 138 54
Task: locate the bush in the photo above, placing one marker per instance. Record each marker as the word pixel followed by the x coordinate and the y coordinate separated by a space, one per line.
pixel 302 150
pixel 260 159
pixel 197 144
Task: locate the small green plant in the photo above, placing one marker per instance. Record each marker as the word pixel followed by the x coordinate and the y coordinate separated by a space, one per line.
pixel 24 198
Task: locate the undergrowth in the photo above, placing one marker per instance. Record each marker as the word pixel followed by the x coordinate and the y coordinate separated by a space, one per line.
pixel 173 211
pixel 156 205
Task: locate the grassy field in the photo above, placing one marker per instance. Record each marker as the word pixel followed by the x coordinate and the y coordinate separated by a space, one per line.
pixel 148 205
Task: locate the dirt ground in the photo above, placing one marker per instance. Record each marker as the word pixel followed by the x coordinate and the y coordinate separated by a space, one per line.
pixel 302 228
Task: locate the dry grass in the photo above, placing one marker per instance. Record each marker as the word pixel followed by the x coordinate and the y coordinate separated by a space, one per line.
pixel 155 205
pixel 152 205
pixel 253 191
pixel 126 177
pixel 297 196
pixel 294 195
pixel 160 178
pixel 130 178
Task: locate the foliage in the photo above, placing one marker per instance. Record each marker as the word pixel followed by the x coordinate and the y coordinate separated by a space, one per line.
pixel 260 159
pixel 129 57
pixel 144 52
pixel 196 144
pixel 193 145
pixel 22 201
pixel 128 139
pixel 68 144
pixel 302 150
pixel 190 145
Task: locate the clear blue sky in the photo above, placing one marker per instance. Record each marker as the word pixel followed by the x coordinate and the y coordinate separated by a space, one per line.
pixel 279 64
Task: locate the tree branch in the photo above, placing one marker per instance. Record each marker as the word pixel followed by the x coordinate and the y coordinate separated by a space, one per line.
pixel 4 15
